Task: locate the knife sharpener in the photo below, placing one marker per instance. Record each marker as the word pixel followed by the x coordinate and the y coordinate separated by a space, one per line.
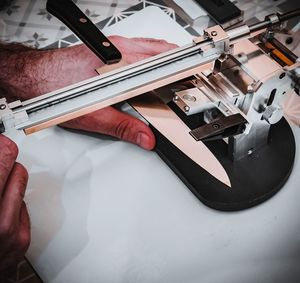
pixel 258 157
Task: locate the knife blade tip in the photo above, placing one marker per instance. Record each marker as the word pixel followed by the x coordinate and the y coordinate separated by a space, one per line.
pixel 228 184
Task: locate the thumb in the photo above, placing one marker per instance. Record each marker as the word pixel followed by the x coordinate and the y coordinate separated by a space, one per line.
pixel 24 236
pixel 112 122
pixel 131 129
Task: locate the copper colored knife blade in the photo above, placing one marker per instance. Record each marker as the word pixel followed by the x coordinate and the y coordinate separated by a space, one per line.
pixel 161 117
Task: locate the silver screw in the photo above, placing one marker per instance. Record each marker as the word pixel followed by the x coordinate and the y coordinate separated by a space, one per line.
pixel 2 106
pixel 250 88
pixel 175 98
pixel 214 33
pixel 250 151
pixel 186 109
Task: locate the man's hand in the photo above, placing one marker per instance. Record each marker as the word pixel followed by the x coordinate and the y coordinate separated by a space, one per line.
pixel 110 121
pixel 14 219
pixel 30 73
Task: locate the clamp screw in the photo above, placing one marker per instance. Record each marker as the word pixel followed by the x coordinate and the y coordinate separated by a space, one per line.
pixel 2 106
pixel 186 109
pixel 216 126
pixel 214 33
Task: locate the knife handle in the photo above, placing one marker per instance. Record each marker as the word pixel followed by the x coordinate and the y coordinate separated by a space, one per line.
pixel 82 26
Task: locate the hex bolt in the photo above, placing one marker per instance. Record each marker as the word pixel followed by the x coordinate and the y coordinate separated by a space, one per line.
pixel 2 106
pixel 214 33
pixel 175 98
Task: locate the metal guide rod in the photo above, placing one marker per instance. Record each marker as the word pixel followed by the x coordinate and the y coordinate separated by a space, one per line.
pixel 110 78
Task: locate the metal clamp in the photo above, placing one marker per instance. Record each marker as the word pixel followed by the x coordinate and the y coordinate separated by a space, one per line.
pixel 218 35
pixel 8 118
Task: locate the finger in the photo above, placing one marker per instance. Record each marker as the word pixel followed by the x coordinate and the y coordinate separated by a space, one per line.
pixel 141 45
pixel 8 266
pixel 24 236
pixel 112 122
pixel 13 196
pixel 8 155
pixel 17 243
pixel 153 46
pixel 128 128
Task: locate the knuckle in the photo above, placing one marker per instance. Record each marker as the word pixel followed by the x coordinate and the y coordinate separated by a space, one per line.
pixel 23 242
pixel 160 41
pixel 7 230
pixel 19 179
pixel 8 146
pixel 115 38
pixel 22 172
pixel 122 129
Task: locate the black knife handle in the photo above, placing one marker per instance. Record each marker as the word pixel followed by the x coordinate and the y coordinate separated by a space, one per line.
pixel 221 11
pixel 82 26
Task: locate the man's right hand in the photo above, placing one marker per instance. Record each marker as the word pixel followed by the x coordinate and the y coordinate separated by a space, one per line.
pixel 14 219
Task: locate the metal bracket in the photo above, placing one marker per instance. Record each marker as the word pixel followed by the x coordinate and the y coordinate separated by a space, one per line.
pixel 219 129
pixel 218 35
pixel 8 117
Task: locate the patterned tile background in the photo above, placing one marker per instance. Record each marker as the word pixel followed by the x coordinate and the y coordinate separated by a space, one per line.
pixel 28 22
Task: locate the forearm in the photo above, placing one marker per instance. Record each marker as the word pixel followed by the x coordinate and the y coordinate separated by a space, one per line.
pixel 27 72
pixel 10 65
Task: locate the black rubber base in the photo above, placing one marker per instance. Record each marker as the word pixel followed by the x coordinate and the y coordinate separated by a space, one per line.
pixel 254 178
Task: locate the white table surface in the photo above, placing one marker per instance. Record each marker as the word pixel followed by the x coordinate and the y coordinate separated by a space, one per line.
pixel 107 211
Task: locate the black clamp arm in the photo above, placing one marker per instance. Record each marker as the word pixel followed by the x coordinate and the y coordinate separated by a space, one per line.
pixel 221 128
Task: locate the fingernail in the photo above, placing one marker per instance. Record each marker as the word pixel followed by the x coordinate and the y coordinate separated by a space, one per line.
pixel 142 139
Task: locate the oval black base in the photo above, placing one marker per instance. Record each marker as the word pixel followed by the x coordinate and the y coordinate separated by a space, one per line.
pixel 254 178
